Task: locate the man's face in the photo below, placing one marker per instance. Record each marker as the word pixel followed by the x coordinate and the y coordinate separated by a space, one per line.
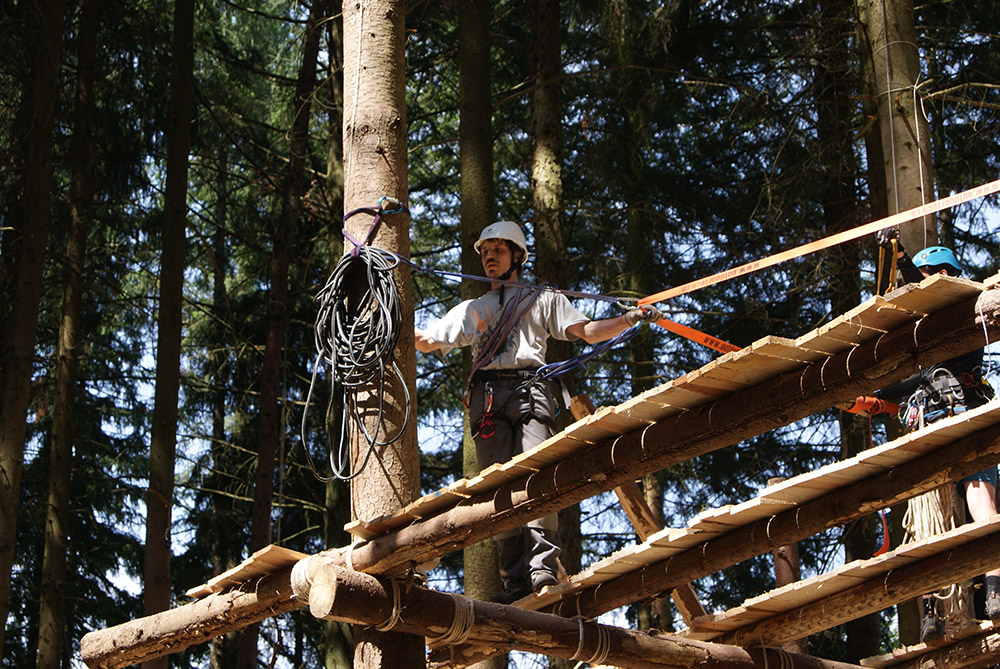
pixel 496 257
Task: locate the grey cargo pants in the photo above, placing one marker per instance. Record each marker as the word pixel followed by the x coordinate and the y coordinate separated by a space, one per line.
pixel 523 416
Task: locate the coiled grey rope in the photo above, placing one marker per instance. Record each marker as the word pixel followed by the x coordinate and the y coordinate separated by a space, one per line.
pixel 357 328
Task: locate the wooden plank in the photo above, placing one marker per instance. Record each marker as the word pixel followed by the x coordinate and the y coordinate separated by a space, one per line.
pixel 782 348
pixel 933 293
pixel 647 410
pixel 712 386
pixel 880 314
pixel 858 576
pixel 748 369
pixel 268 560
pixel 679 394
pixel 621 422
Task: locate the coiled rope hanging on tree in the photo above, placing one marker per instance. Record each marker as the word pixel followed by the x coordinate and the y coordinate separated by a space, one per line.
pixel 356 331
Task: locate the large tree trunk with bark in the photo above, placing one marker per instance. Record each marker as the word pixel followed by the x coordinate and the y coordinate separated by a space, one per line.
pixel 546 195
pixel 51 620
pixel 271 409
pixel 898 147
pixel 163 437
pixel 834 108
pixel 224 551
pixel 375 167
pixel 906 142
pixel 337 644
pixel 33 231
pixel 477 209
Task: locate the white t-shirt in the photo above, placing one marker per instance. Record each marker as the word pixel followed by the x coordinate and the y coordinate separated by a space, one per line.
pixel 471 322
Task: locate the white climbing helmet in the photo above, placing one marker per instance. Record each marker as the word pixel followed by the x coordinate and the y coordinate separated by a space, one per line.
pixel 504 230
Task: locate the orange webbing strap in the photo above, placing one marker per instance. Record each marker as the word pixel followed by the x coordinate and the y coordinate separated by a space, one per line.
pixel 832 240
pixel 884 548
pixel 697 336
pixel 872 405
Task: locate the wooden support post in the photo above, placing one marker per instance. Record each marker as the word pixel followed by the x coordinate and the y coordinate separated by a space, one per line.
pixel 644 522
pixel 176 629
pixel 339 594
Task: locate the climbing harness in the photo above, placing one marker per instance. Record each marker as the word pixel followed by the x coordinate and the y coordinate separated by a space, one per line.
pixel 357 327
pixel 525 378
pixel 941 394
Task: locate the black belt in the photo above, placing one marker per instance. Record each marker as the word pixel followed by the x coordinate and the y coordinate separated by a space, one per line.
pixel 485 375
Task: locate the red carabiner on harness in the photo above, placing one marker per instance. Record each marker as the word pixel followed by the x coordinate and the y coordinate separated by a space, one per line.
pixel 486 427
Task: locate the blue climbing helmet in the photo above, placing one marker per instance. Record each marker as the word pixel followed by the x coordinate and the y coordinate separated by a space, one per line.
pixel 933 258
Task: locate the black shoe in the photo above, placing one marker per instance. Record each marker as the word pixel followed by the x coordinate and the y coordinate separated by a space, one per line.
pixel 930 628
pixel 511 593
pixel 993 605
pixel 543 579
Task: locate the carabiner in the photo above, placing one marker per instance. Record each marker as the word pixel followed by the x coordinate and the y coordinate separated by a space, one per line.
pixel 486 427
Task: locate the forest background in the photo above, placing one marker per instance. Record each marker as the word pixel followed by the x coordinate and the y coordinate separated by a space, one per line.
pixel 172 188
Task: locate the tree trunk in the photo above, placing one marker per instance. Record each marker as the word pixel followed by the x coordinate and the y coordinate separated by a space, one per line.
pixel 51 620
pixel 834 108
pixel 224 551
pixel 375 167
pixel 271 410
pixel 640 234
pixel 906 144
pixel 163 437
pixel 550 246
pixel 34 226
pixel 900 167
pixel 477 210
pixel 337 644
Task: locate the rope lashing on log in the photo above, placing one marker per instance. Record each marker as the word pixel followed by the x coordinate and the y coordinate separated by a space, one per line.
pixel 600 653
pixel 461 624
pixel 397 609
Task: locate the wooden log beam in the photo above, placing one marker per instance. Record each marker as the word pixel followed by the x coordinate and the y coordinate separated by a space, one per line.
pixel 338 594
pixel 948 463
pixel 174 630
pixel 604 466
pixel 760 657
pixel 910 581
pixel 979 651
